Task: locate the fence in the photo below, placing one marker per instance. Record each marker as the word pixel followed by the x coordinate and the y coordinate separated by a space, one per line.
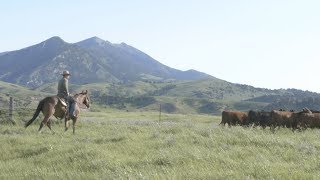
pixel 14 115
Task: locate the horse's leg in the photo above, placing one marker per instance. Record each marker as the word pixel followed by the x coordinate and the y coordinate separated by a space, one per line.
pixel 41 125
pixel 66 123
pixel 44 122
pixel 74 125
pixel 47 116
pixel 49 126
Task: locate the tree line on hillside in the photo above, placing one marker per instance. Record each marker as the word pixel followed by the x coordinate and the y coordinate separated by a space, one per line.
pixel 294 103
pixel 120 101
pixel 207 106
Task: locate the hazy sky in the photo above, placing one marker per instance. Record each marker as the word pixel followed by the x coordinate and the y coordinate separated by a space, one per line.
pixel 263 43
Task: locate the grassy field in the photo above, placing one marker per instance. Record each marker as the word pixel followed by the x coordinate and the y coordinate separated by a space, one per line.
pixel 135 145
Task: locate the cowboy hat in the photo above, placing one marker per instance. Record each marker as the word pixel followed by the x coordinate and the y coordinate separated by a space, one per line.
pixel 65 73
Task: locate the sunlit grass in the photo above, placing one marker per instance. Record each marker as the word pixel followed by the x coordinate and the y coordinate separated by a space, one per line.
pixel 136 145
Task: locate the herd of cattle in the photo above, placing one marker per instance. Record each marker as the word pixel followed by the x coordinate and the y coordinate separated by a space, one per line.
pixel 276 118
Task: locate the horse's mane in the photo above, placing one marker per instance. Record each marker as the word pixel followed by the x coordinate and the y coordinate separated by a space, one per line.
pixel 84 93
pixel 81 93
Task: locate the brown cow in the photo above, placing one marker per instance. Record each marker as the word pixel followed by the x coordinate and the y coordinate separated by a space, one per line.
pixel 234 118
pixel 305 119
pixel 281 118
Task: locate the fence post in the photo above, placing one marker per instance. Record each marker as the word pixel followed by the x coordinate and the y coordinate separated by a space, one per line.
pixel 159 113
pixel 11 111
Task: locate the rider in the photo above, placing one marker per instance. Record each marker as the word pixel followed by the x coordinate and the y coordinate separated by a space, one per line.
pixel 63 91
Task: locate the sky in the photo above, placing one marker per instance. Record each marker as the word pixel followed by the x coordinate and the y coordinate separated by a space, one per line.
pixel 263 43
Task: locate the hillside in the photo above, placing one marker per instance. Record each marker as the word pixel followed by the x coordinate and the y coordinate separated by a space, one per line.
pixel 90 61
pixel 22 96
pixel 209 96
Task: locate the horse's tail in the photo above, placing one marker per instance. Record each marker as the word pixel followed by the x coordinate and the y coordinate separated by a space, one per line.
pixel 36 114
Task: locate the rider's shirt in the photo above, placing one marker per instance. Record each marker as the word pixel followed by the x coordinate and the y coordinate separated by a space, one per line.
pixel 63 90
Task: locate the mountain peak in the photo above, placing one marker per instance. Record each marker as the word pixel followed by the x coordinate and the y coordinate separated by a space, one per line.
pixel 96 39
pixel 55 39
pixel 92 41
pixel 53 42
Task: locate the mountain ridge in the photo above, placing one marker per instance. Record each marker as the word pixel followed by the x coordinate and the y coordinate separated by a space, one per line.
pixel 90 60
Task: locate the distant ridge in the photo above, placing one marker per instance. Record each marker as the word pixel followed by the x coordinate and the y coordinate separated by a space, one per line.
pixel 91 60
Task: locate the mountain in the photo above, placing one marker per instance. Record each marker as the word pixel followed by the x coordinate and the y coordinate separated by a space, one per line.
pixel 129 63
pixel 121 76
pixel 24 66
pixel 2 53
pixel 90 61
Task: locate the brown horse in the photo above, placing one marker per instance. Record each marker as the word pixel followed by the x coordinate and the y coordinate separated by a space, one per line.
pixel 52 106
pixel 79 99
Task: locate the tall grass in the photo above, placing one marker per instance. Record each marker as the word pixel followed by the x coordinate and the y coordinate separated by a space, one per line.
pixel 121 145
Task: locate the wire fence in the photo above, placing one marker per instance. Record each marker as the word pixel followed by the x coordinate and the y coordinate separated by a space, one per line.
pixel 14 115
pixel 11 114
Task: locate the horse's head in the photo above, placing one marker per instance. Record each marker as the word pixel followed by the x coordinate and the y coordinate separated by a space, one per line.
pixel 85 98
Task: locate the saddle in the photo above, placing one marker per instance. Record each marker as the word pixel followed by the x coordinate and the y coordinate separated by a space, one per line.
pixel 62 101
pixel 71 108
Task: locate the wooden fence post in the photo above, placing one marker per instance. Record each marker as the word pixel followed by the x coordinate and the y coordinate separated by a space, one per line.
pixel 159 113
pixel 11 111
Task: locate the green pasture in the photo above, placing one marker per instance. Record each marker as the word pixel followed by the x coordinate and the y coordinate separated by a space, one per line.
pixel 138 145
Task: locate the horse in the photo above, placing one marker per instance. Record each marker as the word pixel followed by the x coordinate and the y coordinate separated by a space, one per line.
pixel 53 106
pixel 79 99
